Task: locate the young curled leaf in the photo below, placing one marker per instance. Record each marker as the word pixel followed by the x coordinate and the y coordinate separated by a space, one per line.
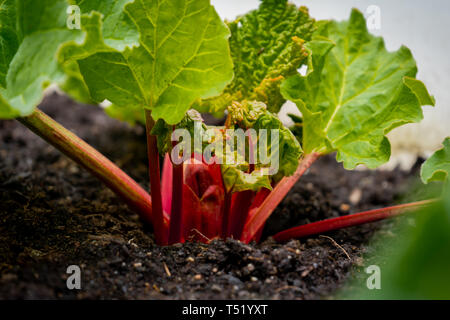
pixel 254 115
pixel 271 150
pixel 238 178
pixel 356 94
pixel 267 46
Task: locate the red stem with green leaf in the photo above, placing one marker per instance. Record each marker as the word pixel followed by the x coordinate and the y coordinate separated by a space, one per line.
pixel 259 216
pixel 176 216
pixel 159 225
pixel 151 210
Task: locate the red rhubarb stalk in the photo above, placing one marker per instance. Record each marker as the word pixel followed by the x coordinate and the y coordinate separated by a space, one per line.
pixel 89 158
pixel 176 216
pixel 160 228
pixel 226 214
pixel 349 221
pixel 261 214
pixel 259 199
pixel 242 201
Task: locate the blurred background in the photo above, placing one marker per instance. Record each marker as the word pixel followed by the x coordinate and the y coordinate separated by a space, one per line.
pixel 424 27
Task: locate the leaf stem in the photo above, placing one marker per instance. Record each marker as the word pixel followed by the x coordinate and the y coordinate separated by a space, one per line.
pixel 226 214
pixel 159 225
pixel 349 221
pixel 176 216
pixel 89 158
pixel 260 216
pixel 239 212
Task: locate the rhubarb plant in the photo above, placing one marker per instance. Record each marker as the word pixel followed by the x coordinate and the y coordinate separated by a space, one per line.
pixel 162 62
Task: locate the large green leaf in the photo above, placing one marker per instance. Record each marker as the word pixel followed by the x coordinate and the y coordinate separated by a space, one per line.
pixel 437 167
pixel 182 56
pixel 31 35
pixel 266 46
pixel 356 94
pixel 118 32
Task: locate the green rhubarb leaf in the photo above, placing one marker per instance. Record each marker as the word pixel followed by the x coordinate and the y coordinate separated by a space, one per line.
pixel 31 35
pixel 33 39
pixel 183 55
pixel 74 85
pixel 9 37
pixel 437 167
pixel 267 45
pixel 118 32
pixel 356 94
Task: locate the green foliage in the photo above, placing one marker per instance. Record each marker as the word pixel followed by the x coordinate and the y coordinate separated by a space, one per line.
pixel 9 37
pixel 34 38
pixel 356 93
pixel 182 56
pixel 437 167
pixel 31 36
pixel 267 45
pixel 118 31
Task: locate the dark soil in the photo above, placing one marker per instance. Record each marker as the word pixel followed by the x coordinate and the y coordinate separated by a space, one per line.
pixel 54 214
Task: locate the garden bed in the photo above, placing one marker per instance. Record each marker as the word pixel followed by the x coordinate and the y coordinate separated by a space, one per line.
pixel 54 214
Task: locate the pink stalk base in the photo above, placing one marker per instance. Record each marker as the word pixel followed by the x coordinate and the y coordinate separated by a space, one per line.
pixel 259 216
pixel 89 158
pixel 349 221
